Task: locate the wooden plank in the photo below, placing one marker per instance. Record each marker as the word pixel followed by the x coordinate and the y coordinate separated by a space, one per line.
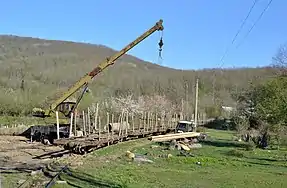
pixel 173 136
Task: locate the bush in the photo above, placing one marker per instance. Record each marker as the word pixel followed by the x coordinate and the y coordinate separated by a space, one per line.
pixel 201 129
pixel 236 153
pixel 213 111
pixel 250 146
pixel 221 124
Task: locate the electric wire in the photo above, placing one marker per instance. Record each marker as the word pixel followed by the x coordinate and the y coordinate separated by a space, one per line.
pixel 232 42
pixel 237 33
pixel 252 27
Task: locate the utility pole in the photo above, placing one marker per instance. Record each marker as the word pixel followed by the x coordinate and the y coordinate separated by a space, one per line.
pixel 186 102
pixel 182 109
pixel 196 102
pixel 213 89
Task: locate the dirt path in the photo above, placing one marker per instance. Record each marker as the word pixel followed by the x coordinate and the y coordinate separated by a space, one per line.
pixel 16 153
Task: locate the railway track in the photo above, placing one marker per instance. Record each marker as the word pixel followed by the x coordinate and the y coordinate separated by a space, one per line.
pixel 87 144
pixel 83 145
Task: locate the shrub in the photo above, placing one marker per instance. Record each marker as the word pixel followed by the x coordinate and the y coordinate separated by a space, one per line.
pixel 236 153
pixel 250 146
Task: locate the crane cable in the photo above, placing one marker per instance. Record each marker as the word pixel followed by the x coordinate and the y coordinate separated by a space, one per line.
pixel 160 44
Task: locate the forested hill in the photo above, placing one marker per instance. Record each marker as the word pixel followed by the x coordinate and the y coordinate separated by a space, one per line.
pixel 32 70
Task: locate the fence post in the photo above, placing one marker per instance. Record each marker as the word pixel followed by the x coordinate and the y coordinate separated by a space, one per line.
pixel 108 122
pixel 99 128
pixel 84 123
pixel 58 125
pixel 112 124
pixel 75 124
pixel 96 116
pixel 133 122
pixel 127 120
pixel 71 125
pixel 89 121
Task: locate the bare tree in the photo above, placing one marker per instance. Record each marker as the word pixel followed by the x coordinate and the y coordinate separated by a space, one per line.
pixel 280 59
pixel 156 103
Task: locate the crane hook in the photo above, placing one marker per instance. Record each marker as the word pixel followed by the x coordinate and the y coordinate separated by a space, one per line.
pixel 160 44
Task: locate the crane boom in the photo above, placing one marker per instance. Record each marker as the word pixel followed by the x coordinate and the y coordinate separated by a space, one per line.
pixel 107 62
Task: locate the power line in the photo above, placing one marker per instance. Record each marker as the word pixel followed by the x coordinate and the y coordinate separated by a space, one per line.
pixel 233 40
pixel 260 16
pixel 240 28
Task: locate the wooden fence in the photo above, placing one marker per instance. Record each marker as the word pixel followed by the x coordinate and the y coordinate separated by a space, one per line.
pixel 91 122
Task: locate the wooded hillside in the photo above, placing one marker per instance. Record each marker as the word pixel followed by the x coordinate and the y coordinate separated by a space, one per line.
pixel 35 70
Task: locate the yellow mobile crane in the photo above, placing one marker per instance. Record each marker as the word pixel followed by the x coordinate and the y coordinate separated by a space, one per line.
pixel 65 106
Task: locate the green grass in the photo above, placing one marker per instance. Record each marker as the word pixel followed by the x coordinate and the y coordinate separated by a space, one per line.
pixel 9 120
pixel 13 180
pixel 14 121
pixel 224 163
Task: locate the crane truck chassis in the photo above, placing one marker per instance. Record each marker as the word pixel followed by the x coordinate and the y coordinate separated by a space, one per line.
pixel 66 107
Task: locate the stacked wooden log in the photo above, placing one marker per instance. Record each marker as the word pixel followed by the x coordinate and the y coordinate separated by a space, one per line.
pixel 168 137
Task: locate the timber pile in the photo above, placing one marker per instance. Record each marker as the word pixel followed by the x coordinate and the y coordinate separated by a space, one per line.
pixel 175 136
pixel 181 141
pixel 85 144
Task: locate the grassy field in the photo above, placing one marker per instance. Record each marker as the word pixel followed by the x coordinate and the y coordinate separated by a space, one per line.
pixel 224 163
pixel 15 121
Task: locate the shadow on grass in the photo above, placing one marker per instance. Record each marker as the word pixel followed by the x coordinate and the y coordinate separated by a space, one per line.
pixel 269 160
pixel 82 180
pixel 58 153
pixel 235 153
pixel 221 143
pixel 20 168
pixel 163 144
pixel 266 161
pixel 267 164
pixel 15 171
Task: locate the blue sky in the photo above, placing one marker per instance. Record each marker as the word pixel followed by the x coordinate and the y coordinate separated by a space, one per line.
pixel 197 32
